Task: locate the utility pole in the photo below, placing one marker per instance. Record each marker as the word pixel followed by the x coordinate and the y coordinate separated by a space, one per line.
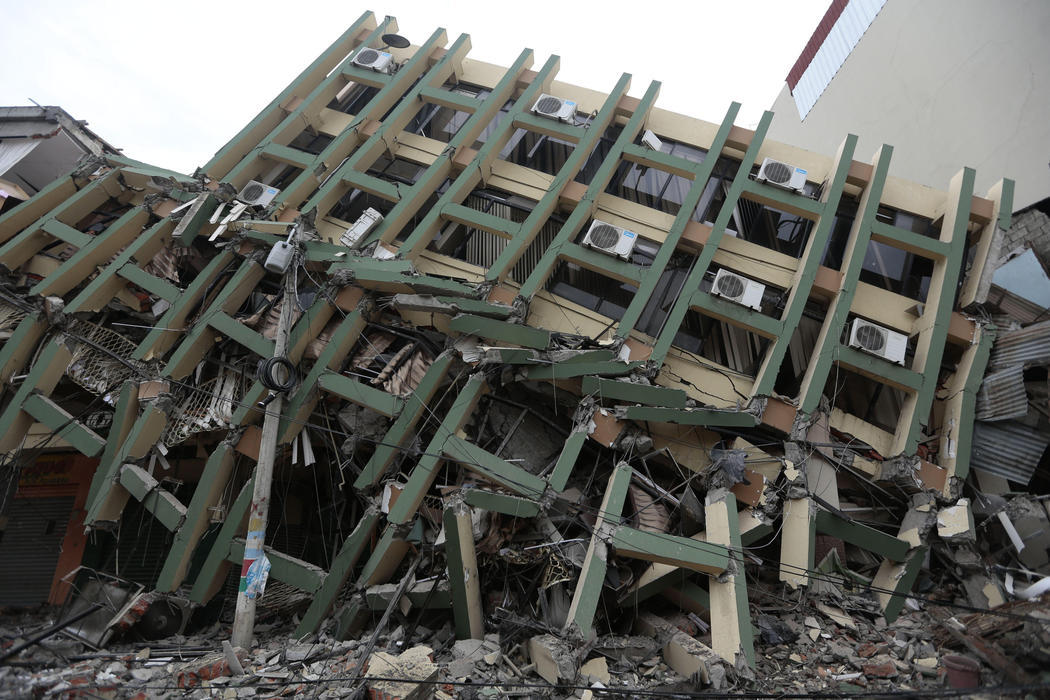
pixel 244 617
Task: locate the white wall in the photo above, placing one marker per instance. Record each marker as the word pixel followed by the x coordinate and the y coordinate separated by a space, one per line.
pixel 948 84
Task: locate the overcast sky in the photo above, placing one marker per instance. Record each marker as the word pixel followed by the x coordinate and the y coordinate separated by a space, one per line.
pixel 171 82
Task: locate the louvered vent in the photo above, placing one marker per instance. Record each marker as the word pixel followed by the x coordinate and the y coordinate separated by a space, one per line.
pixel 871 338
pixel 605 236
pixel 730 286
pixel 252 192
pixel 549 105
pixel 777 172
pixel 368 56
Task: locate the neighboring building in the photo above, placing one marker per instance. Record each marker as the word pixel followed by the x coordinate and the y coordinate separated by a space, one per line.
pixel 37 145
pixel 477 237
pixel 947 82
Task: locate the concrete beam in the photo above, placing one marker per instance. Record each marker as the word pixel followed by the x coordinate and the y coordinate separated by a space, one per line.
pixel 65 425
pixel 402 429
pixel 342 566
pixel 731 634
pixel 589 586
pixel 422 477
pixel 463 578
pixel 210 488
pixel 212 573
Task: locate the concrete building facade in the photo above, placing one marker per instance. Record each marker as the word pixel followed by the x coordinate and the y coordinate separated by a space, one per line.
pixel 500 232
pixel 947 82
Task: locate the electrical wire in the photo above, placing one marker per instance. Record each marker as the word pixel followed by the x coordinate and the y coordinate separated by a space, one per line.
pixel 466 461
pixel 812 573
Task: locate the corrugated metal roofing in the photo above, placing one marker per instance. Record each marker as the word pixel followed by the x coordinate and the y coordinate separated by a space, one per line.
pixel 1026 346
pixel 815 41
pixel 1002 395
pixel 850 26
pixel 1008 449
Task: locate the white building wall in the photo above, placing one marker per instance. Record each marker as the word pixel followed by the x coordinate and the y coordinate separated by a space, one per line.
pixel 947 83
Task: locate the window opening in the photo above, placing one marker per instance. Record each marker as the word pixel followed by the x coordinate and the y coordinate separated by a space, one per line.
pixel 310 142
pixel 722 343
pixel 353 98
pixel 493 125
pixel 537 151
pixel 482 248
pixel 897 270
pixel 591 289
pixel 598 155
pixel 865 398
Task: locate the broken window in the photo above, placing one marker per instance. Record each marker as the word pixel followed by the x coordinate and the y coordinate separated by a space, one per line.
pixel 309 141
pixel 800 349
pixel 652 187
pixel 835 248
pixel 670 286
pixel 916 223
pixel 771 228
pixel 437 122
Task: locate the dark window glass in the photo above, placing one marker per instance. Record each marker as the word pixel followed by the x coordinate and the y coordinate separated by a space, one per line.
pixel 537 151
pixel 353 98
pixel 591 289
pixel 493 125
pixel 722 343
pixel 482 248
pixel 598 155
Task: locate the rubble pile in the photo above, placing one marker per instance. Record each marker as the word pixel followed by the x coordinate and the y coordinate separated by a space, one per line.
pixel 439 451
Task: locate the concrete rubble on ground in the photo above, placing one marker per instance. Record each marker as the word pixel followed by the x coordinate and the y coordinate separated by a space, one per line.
pixel 484 487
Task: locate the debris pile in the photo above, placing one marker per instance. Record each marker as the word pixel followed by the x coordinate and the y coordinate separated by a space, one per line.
pixel 482 486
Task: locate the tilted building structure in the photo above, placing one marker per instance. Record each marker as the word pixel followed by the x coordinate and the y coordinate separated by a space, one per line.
pixel 666 317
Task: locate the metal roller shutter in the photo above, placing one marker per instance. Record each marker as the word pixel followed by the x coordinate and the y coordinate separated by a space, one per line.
pixel 30 548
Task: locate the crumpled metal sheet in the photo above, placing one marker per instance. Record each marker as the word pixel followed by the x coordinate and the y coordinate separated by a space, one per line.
pixel 1008 449
pixel 652 516
pixel 163 265
pixel 406 378
pixel 1027 347
pixel 1002 395
pixel 373 346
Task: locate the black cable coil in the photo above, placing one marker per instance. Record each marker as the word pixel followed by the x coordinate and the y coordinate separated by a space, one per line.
pixel 273 383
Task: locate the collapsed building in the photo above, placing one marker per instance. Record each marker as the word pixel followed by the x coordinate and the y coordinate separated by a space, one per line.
pixel 555 358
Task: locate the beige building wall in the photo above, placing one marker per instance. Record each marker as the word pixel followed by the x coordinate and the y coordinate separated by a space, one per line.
pixel 948 83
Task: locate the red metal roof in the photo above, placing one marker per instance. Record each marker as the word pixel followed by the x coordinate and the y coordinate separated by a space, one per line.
pixel 815 41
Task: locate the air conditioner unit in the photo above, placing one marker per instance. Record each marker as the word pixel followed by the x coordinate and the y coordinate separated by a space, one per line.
pixel 257 194
pixel 364 224
pixel 876 340
pixel 555 108
pixel 782 175
pixel 651 140
pixel 738 289
pixel 379 61
pixel 611 240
